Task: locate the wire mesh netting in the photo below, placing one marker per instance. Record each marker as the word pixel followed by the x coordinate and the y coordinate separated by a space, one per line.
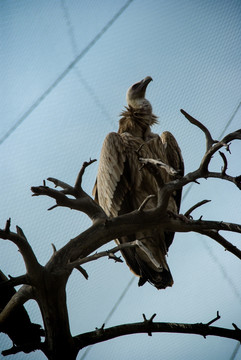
pixel 66 66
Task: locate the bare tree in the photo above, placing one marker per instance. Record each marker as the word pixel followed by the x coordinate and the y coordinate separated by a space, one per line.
pixel 47 284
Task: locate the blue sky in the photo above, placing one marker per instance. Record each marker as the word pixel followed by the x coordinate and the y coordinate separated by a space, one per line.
pixel 192 51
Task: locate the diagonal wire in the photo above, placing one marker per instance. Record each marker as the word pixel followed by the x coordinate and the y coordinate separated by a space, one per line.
pixel 230 120
pixel 117 303
pixel 235 351
pixel 78 73
pixel 43 96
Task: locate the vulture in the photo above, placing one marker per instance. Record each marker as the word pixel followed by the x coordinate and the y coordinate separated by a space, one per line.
pixel 121 187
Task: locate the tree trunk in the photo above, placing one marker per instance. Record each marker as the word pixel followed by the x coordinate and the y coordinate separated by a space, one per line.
pixel 51 297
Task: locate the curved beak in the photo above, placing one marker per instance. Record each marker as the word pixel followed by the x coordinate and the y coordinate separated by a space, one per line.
pixel 145 82
pixel 139 88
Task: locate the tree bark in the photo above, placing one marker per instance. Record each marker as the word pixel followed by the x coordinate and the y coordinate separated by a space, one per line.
pixel 51 297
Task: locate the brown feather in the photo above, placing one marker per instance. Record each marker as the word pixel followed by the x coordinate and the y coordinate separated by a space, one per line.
pixel 135 121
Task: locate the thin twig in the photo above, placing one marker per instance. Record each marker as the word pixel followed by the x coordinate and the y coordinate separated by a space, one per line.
pixel 7 225
pixel 67 189
pixel 82 271
pixel 215 319
pixel 54 248
pixel 103 253
pixel 194 207
pixel 209 139
pixel 53 207
pixel 81 173
pixel 224 168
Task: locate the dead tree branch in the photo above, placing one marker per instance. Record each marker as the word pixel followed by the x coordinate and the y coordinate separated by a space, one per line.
pixel 81 173
pixel 149 327
pixel 109 253
pixel 194 207
pixel 209 139
pixel 14 281
pixel 82 202
pixel 19 298
pixel 222 241
pixel 20 240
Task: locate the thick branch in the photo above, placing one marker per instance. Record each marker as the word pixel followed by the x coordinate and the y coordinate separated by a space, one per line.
pixel 101 233
pixel 25 348
pixel 201 225
pixel 14 281
pixel 222 241
pixel 24 294
pixel 149 327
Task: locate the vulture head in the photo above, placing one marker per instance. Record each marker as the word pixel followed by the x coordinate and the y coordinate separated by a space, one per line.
pixel 135 96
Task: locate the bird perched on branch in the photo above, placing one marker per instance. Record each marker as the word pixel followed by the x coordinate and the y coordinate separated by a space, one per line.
pixel 121 188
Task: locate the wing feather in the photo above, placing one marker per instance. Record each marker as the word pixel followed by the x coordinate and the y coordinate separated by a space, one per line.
pixel 173 152
pixel 112 183
pixel 174 158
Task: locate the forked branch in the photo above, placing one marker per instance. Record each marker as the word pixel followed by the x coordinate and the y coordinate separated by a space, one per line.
pixel 21 241
pixel 81 202
pixel 209 139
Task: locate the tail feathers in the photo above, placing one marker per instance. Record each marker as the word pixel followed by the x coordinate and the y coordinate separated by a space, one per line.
pixel 160 278
pixel 144 264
